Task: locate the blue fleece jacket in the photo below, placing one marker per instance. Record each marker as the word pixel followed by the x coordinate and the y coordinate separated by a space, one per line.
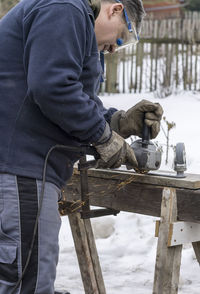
pixel 49 77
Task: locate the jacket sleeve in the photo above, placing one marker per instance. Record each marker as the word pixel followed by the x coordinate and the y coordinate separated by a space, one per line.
pixel 55 46
pixel 108 114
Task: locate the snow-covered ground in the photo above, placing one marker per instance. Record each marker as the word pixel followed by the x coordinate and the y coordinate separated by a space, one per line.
pixel 126 243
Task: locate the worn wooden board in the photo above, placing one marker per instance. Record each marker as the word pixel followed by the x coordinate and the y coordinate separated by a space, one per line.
pixel 196 247
pixel 181 233
pixel 191 181
pixel 87 255
pixel 133 192
pixel 168 259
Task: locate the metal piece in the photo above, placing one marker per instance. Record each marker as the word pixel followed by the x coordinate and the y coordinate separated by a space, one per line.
pixel 98 212
pixel 83 150
pixel 83 166
pixel 84 185
pixel 180 159
pixel 86 211
pixel 168 175
pixel 87 164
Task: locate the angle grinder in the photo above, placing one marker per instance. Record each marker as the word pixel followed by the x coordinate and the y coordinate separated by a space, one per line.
pixel 148 155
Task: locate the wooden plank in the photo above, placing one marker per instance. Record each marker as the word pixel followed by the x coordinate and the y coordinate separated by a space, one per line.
pixel 168 259
pixel 83 253
pixel 111 194
pixel 87 255
pixel 191 181
pixel 94 257
pixel 157 228
pixel 196 247
pixel 111 73
pixel 183 232
pixel 127 192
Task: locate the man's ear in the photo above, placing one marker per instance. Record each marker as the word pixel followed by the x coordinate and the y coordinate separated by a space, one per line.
pixel 116 9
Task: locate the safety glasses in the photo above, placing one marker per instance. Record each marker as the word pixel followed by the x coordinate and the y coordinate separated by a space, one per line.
pixel 129 35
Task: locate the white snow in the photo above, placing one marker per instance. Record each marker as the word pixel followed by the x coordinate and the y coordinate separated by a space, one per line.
pixel 126 243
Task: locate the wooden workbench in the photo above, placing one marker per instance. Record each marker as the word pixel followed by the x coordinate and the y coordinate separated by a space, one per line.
pixel 176 201
pixel 139 193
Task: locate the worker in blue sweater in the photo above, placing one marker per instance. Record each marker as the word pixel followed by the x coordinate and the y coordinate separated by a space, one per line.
pixel 49 79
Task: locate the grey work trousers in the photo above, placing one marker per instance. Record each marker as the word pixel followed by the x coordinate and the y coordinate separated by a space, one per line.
pixel 19 198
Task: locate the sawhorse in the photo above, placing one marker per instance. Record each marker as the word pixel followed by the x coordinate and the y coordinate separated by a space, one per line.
pixel 170 199
pixel 172 234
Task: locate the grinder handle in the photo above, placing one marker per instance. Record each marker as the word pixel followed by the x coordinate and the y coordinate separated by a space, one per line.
pixel 145 135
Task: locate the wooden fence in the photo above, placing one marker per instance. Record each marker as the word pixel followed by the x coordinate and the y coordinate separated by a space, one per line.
pixel 185 29
pixel 167 59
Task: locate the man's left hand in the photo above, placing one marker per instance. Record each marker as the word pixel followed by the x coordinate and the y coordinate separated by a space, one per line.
pixel 131 122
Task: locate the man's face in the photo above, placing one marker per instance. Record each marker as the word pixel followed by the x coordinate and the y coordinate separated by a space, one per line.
pixel 110 26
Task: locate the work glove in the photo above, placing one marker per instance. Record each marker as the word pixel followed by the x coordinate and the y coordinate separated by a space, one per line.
pixel 131 122
pixel 115 152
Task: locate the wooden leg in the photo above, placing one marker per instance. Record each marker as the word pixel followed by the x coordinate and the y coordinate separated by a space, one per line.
pixel 168 259
pixel 196 247
pixel 87 254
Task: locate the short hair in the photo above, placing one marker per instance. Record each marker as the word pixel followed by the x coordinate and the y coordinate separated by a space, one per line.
pixel 134 9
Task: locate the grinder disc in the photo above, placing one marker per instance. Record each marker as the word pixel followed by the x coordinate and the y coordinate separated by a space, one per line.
pixel 180 155
pixel 180 159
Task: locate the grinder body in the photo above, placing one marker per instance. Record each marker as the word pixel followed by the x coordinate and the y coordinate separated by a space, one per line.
pixel 148 155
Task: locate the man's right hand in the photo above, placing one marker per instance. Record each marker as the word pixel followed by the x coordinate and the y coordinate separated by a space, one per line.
pixel 115 152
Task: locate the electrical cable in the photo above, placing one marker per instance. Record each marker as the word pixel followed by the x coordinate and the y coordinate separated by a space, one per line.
pixel 38 213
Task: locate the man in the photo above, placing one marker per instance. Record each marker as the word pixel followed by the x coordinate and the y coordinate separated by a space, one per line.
pixel 49 77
